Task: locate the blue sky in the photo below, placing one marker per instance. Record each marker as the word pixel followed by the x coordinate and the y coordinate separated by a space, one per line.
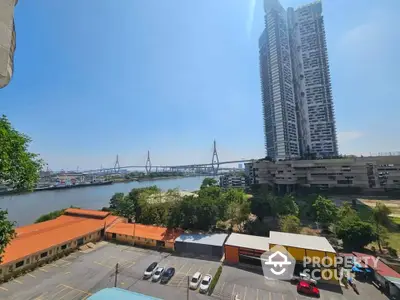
pixel 95 78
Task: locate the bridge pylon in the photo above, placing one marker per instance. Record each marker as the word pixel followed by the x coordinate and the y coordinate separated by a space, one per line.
pixel 148 163
pixel 215 160
pixel 116 165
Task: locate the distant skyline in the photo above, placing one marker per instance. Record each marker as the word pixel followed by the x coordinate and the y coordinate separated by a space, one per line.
pixel 94 79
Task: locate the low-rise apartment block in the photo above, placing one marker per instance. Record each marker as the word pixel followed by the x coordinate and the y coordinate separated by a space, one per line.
pixel 233 181
pixel 377 173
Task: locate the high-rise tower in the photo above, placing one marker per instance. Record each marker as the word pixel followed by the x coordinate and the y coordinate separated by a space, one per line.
pixel 7 41
pixel 311 77
pixel 279 108
pixel 295 80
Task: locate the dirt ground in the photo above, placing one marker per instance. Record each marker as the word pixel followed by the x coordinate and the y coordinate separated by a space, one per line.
pixel 394 205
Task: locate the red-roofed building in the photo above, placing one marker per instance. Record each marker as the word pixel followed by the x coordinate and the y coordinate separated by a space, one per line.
pixel 40 242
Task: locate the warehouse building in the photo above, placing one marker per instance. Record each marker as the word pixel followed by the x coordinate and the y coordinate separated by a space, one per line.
pixel 143 235
pixel 244 248
pixel 201 244
pixel 301 245
pixel 39 243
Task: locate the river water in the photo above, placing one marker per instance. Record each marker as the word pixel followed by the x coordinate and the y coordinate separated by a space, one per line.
pixel 25 209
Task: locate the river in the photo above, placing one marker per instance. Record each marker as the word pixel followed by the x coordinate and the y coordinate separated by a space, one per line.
pixel 25 209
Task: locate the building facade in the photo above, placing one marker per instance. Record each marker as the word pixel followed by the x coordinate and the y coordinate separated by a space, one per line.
pixel 295 83
pixel 233 181
pixel 7 41
pixel 369 173
pixel 279 108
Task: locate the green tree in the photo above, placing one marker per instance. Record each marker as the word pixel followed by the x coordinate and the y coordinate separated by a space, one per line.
pixel 208 182
pixel 289 223
pixel 355 233
pixel 325 211
pixel 346 211
pixel 19 170
pixel 238 213
pixel 286 206
pixel 116 200
pixel 261 205
pixel 380 215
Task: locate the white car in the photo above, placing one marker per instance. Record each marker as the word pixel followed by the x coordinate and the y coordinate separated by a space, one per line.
pixel 150 270
pixel 194 283
pixel 157 274
pixel 205 283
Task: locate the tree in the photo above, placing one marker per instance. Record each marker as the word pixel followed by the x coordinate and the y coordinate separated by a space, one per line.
pixel 380 215
pixel 289 223
pixel 355 233
pixel 346 211
pixel 116 200
pixel 19 170
pixel 238 213
pixel 286 206
pixel 325 211
pixel 208 181
pixel 260 205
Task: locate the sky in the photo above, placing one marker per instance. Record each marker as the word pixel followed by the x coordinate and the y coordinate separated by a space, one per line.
pixel 98 78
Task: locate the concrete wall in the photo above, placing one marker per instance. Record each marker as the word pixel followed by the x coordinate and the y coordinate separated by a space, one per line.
pixel 7 40
pixel 35 259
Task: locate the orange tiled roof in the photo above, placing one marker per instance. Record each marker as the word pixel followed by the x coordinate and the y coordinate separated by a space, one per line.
pixel 35 238
pixel 87 212
pixel 146 231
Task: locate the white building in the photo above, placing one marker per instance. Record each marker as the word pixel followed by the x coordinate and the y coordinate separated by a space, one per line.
pixel 7 41
pixel 279 108
pixel 295 79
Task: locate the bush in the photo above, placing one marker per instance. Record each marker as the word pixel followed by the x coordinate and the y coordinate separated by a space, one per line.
pixel 392 251
pixel 214 281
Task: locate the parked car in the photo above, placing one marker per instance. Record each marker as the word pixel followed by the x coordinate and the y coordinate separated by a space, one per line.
pixel 307 288
pixel 205 283
pixel 167 275
pixel 157 274
pixel 150 270
pixel 194 283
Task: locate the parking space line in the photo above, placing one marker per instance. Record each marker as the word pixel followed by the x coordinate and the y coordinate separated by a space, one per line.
pixel 100 264
pixel 60 291
pixel 70 287
pixel 257 295
pixel 18 281
pixel 29 274
pixel 70 290
pixel 41 296
pixel 43 270
pixel 3 288
pixel 270 296
pixel 66 273
pixel 245 290
pixel 283 297
pixel 233 291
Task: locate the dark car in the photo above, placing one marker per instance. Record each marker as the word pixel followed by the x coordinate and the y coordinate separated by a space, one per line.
pixel 167 275
pixel 150 270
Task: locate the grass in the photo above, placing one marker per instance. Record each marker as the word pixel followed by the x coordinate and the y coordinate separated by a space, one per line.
pixel 214 281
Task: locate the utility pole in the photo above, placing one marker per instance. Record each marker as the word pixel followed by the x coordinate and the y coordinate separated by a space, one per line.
pixel 187 294
pixel 116 275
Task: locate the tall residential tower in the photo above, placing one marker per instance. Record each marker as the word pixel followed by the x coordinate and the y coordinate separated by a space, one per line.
pixel 309 83
pixel 7 41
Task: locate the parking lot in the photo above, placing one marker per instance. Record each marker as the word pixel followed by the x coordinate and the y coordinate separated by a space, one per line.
pixel 79 275
pixel 250 285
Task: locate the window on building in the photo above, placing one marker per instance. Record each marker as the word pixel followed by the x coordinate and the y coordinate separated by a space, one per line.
pixel 19 264
pixel 50 252
pixel 44 254
pixel 63 247
pixel 28 261
pixel 10 269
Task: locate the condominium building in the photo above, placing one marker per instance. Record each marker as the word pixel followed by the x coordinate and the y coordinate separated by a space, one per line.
pixel 233 181
pixel 382 172
pixel 295 83
pixel 279 108
pixel 7 41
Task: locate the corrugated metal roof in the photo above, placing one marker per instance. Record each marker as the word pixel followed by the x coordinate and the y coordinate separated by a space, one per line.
pixel 300 241
pixel 248 241
pixel 381 268
pixel 86 212
pixel 145 231
pixel 215 239
pixel 120 294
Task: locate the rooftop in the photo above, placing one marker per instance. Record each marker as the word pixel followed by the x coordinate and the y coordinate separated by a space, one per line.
pixel 120 294
pixel 86 212
pixel 215 239
pixel 145 231
pixel 36 238
pixel 248 241
pixel 300 241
